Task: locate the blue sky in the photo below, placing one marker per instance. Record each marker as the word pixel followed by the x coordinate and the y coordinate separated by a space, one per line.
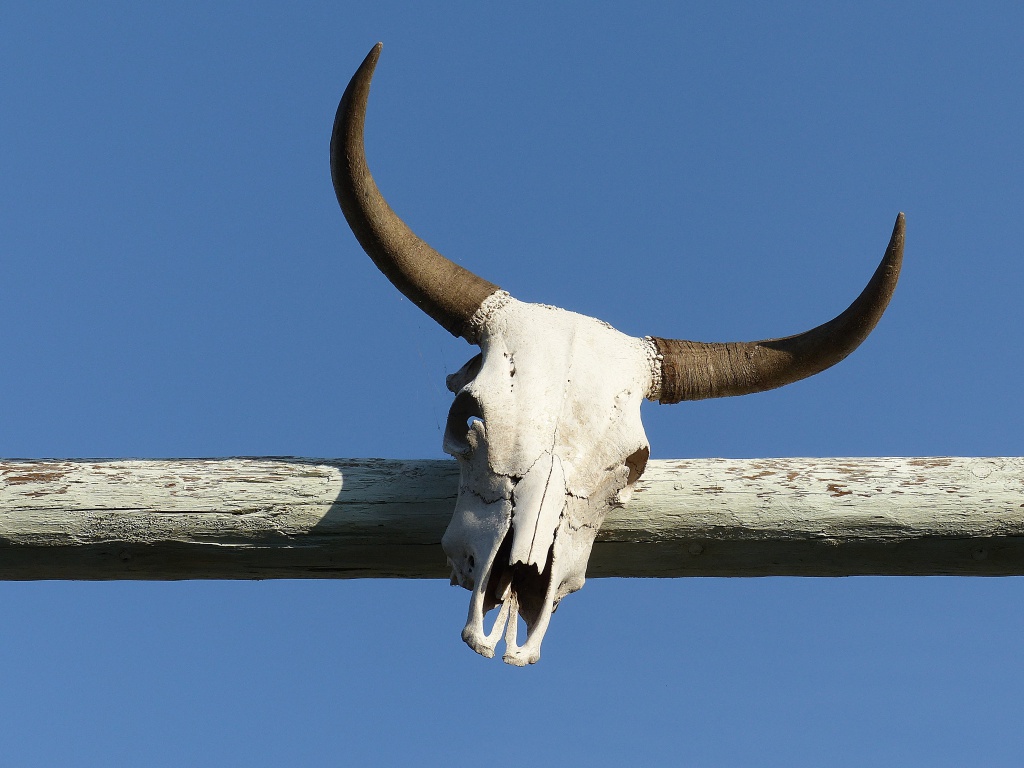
pixel 178 281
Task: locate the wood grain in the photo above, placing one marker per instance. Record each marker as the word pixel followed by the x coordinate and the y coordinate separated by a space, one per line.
pixel 370 518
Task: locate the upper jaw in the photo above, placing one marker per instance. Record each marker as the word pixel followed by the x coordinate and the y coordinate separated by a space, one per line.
pixel 523 591
pixel 515 589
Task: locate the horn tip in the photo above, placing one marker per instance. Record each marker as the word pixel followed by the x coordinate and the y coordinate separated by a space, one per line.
pixel 369 62
pixel 373 55
pixel 898 232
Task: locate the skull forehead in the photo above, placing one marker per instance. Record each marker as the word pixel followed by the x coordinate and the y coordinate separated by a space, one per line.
pixel 555 381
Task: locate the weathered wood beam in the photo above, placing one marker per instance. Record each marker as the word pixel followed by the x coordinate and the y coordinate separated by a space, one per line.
pixel 313 518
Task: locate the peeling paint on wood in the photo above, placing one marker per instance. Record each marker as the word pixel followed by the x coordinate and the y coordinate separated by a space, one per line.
pixel 318 518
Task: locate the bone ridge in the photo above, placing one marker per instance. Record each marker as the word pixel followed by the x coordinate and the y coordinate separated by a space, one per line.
pixel 479 319
pixel 654 360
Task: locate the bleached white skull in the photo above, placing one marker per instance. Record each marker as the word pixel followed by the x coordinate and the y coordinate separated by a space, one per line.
pixel 546 420
pixel 546 428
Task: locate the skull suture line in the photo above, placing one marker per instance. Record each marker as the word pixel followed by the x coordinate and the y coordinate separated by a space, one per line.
pixel 546 419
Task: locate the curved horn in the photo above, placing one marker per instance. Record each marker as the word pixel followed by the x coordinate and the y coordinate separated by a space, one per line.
pixel 694 370
pixel 441 288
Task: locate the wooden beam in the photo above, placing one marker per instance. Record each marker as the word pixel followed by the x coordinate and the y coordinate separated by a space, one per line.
pixel 313 518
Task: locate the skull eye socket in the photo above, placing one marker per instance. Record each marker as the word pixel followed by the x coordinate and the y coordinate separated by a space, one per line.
pixel 464 412
pixel 637 463
pixel 456 381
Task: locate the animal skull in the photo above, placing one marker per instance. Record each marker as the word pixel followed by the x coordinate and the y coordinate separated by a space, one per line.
pixel 546 420
pixel 546 429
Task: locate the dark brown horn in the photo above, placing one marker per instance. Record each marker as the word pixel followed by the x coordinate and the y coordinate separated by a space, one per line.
pixel 441 288
pixel 694 370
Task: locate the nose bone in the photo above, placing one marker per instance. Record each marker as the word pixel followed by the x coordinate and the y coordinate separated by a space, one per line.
pixel 538 500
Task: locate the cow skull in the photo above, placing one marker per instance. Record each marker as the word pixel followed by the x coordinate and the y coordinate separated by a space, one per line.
pixel 546 429
pixel 546 420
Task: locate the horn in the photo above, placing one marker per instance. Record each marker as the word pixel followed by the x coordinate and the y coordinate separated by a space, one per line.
pixel 692 370
pixel 441 288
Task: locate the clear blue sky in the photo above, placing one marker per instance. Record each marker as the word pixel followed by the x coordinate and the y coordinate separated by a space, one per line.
pixel 178 281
